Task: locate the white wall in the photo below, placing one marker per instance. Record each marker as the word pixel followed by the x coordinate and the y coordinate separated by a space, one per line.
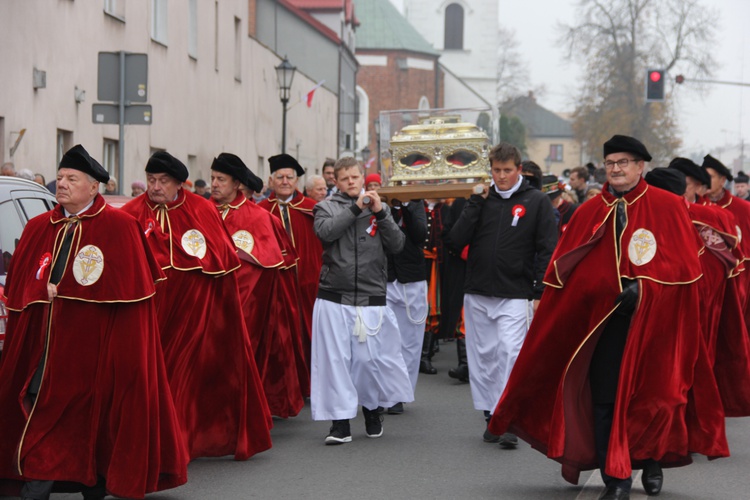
pixel 198 110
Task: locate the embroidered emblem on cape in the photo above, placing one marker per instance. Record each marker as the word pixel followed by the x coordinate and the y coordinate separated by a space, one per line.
pixel 194 243
pixel 642 247
pixel 88 265
pixel 712 239
pixel 44 263
pixel 244 240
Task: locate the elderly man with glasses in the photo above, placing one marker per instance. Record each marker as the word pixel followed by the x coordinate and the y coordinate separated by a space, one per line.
pixel 629 384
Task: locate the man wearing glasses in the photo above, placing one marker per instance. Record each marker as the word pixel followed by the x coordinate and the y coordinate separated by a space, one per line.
pixel 611 391
pixel 296 213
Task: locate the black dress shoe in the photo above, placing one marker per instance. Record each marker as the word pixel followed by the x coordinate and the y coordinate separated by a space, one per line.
pixel 425 366
pixel 461 372
pixel 615 493
pixel 652 477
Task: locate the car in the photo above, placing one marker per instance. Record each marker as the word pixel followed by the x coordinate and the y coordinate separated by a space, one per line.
pixel 20 201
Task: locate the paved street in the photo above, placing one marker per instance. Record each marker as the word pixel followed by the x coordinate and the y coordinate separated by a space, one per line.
pixel 433 450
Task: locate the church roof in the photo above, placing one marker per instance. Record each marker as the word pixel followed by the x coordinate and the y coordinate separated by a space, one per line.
pixel 539 121
pixel 383 27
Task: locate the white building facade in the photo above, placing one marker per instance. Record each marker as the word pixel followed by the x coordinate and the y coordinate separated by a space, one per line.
pixel 211 86
pixel 465 32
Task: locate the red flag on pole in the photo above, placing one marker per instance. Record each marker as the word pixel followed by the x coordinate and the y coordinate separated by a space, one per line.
pixel 312 92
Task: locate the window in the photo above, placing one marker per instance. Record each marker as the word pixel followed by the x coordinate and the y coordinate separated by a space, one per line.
pixel 159 21
pixel 64 143
pixel 363 118
pixel 556 152
pixel 110 156
pixel 424 103
pixel 193 28
pixel 237 49
pixel 115 8
pixel 454 27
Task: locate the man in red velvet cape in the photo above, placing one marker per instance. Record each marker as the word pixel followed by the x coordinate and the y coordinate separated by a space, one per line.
pixel 630 384
pixel 732 366
pixel 210 363
pixel 295 211
pixel 85 396
pixel 252 230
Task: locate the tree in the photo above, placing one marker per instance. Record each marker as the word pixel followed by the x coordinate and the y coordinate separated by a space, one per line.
pixel 618 40
pixel 512 71
pixel 513 131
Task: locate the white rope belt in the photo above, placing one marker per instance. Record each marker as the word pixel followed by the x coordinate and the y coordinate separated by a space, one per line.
pixel 362 329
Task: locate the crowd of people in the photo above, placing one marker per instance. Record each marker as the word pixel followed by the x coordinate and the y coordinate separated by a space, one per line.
pixel 174 328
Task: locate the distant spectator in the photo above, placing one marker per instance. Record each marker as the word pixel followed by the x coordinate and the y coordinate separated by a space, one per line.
pixel 591 168
pixel 200 189
pixel 39 179
pixel 600 176
pixel 579 178
pixel 593 191
pixel 315 188
pixel 111 187
pixel 328 175
pixel 52 186
pixel 373 182
pixel 8 169
pixel 26 174
pixel 533 173
pixel 741 185
pixel 137 188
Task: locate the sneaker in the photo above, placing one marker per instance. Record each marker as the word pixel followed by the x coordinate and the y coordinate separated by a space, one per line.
pixel 339 433
pixel 396 409
pixel 508 441
pixel 490 437
pixel 373 423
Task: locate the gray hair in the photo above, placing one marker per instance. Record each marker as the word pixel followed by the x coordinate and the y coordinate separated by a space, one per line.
pixel 25 173
pixel 310 182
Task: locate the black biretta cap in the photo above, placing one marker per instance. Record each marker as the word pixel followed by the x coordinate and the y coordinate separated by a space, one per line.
pixel 711 162
pixel 233 165
pixel 285 161
pixel 162 162
pixel 625 144
pixel 669 179
pixel 79 159
pixel 690 169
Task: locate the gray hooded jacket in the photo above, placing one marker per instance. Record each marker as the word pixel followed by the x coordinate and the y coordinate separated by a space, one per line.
pixel 354 268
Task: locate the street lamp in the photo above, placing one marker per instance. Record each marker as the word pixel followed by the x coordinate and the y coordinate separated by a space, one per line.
pixel 284 75
pixel 365 154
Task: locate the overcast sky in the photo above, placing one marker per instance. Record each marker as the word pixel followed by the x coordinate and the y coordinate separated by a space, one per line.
pixel 708 123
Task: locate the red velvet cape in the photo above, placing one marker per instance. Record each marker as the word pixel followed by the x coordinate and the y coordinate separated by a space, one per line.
pixel 309 251
pixel 732 358
pixel 258 277
pixel 104 406
pixel 667 403
pixel 210 364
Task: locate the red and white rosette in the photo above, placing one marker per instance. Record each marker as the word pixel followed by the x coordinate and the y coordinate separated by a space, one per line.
pixel 518 212
pixel 44 263
pixel 150 226
pixel 373 228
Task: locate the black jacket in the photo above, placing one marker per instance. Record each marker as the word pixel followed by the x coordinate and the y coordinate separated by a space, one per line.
pixel 408 266
pixel 506 261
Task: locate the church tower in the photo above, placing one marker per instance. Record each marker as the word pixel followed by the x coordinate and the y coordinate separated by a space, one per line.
pixel 465 32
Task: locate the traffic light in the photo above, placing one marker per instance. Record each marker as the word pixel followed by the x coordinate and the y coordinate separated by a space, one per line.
pixel 654 85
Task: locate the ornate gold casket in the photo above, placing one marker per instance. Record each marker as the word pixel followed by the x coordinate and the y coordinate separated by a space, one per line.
pixel 440 157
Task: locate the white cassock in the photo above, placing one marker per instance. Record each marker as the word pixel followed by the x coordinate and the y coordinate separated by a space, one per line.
pixel 408 301
pixel 495 331
pixel 356 361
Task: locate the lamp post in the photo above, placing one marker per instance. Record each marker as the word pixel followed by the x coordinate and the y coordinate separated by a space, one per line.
pixel 284 75
pixel 365 154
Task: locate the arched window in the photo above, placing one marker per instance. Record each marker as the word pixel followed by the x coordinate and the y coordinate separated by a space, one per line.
pixel 424 103
pixel 454 27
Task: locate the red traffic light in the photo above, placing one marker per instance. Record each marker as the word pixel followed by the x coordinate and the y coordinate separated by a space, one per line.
pixel 655 76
